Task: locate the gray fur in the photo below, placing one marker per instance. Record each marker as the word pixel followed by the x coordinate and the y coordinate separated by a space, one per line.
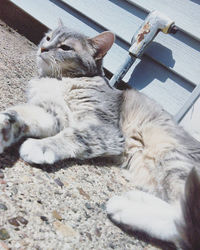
pixel 74 113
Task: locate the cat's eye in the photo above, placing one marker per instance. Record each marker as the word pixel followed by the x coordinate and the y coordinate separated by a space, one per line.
pixel 48 38
pixel 65 47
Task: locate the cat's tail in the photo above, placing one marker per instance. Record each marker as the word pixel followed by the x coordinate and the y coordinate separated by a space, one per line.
pixel 189 228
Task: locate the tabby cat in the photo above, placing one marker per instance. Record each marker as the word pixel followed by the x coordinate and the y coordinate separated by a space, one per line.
pixel 72 112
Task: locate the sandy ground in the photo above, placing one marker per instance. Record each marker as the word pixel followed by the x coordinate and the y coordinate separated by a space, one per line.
pixel 58 207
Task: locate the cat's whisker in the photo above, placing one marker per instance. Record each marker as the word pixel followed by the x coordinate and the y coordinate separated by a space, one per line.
pixel 52 64
pixel 58 71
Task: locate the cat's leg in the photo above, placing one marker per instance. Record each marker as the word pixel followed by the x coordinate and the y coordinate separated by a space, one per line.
pixel 81 143
pixel 23 121
pixel 144 212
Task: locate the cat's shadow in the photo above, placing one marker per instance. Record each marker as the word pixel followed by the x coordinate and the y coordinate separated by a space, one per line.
pixel 68 163
pixel 11 155
pixel 164 245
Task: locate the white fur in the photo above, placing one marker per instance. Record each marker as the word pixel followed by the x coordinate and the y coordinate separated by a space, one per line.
pixel 146 213
pixel 39 122
pixel 32 152
pixel 42 151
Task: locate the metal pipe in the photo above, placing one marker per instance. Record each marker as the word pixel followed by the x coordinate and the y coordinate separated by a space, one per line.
pixel 153 23
pixel 188 104
pixel 117 77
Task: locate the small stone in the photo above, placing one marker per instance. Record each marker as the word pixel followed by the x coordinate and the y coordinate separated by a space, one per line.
pixel 66 184
pixel 87 216
pixel 1 174
pixel 83 193
pixel 111 245
pixel 103 206
pixel 38 248
pixel 4 235
pixel 88 206
pixel 14 222
pixel 14 190
pixel 109 188
pixel 64 229
pixel 97 232
pixel 89 236
pixel 22 220
pixel 2 181
pixel 56 215
pixel 3 207
pixel 59 182
pixel 44 218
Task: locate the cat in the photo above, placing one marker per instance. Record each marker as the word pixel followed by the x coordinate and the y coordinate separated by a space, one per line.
pixel 72 112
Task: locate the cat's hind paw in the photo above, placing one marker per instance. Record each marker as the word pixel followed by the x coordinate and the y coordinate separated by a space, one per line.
pixel 32 151
pixel 145 213
pixel 115 208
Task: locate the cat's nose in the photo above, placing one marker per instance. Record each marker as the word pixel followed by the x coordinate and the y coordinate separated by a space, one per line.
pixel 44 50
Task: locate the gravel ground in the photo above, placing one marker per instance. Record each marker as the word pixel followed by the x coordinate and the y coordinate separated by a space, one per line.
pixel 58 207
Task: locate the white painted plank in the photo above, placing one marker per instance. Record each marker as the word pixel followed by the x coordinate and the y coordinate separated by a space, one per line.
pixel 151 78
pixel 186 13
pixel 159 86
pixel 179 53
pixel 191 122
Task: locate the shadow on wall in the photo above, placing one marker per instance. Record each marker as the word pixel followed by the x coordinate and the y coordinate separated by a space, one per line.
pixel 147 70
pixel 195 1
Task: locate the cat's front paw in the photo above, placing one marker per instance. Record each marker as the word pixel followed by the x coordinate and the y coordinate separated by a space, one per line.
pixel 33 151
pixel 7 135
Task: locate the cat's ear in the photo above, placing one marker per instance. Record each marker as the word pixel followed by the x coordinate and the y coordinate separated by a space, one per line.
pixel 60 23
pixel 102 43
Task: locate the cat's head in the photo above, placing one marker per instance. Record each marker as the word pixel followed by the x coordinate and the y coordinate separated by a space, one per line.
pixel 64 52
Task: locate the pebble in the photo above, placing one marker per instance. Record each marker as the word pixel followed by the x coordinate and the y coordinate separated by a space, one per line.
pixel 44 218
pixel 1 174
pixel 97 232
pixel 88 206
pixel 4 235
pixel 89 236
pixel 2 181
pixel 56 215
pixel 83 193
pixel 14 222
pixel 22 220
pixel 14 190
pixel 3 207
pixel 64 229
pixel 111 245
pixel 109 188
pixel 59 182
pixel 103 206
